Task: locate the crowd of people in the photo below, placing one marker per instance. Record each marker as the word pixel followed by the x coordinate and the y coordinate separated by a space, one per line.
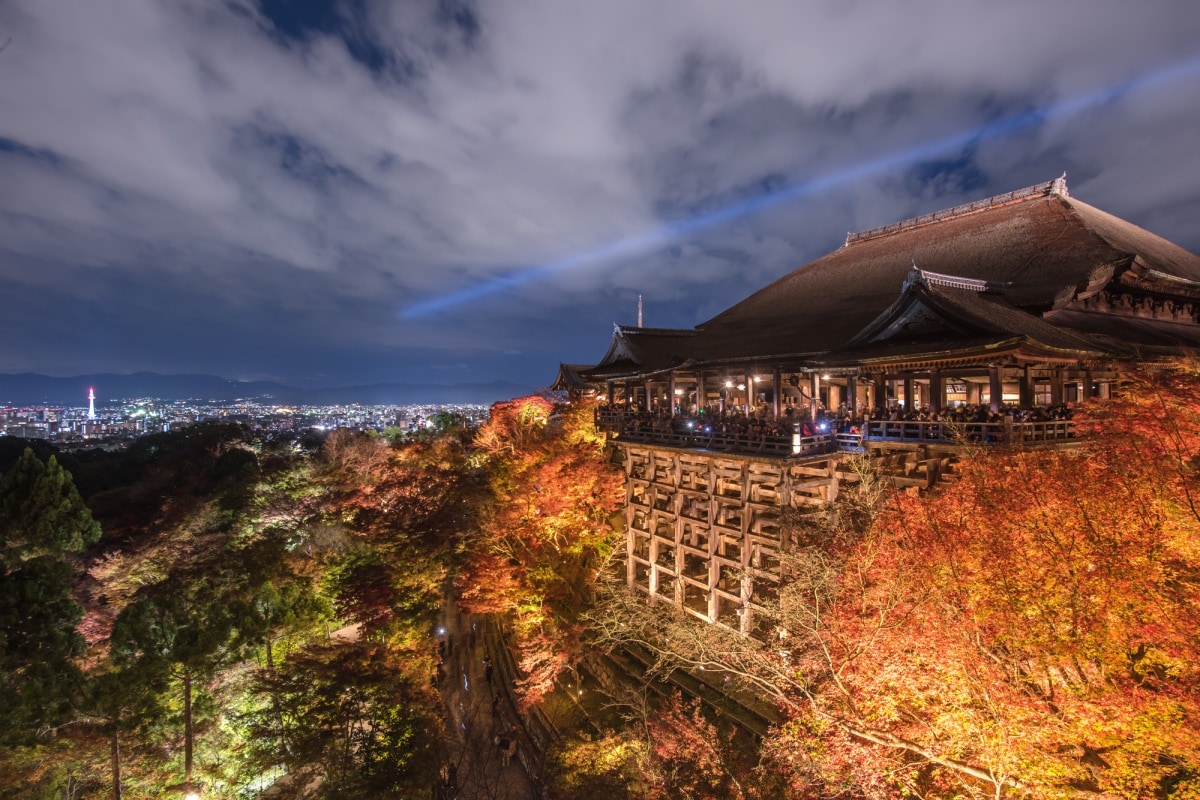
pixel 751 424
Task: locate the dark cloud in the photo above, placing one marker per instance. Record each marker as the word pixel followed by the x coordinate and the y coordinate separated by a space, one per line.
pixel 263 188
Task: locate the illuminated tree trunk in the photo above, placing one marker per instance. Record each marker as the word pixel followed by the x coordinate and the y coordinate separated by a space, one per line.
pixel 115 753
pixel 187 727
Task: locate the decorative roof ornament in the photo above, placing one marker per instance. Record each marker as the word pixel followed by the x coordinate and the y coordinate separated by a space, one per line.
pixel 1058 186
pixel 928 279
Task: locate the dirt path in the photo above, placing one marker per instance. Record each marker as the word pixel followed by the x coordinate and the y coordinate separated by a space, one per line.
pixel 473 721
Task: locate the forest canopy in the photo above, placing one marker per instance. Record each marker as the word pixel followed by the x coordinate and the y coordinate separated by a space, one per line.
pixel 212 608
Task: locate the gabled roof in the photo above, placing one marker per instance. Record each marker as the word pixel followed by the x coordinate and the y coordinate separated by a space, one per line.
pixel 1042 248
pixel 636 350
pixel 943 315
pixel 571 378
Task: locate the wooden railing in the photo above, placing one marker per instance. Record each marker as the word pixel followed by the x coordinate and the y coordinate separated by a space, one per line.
pixel 1006 432
pixel 626 427
pixel 777 445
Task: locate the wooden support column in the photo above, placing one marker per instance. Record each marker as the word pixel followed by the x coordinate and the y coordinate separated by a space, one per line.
pixel 852 395
pixel 671 398
pixel 649 396
pixel 714 536
pixel 701 394
pixel 880 398
pixel 1025 392
pixel 995 388
pixel 908 393
pixel 776 392
pixel 1089 384
pixel 937 391
pixel 747 584
pixel 1056 387
pixel 611 392
pixel 835 397
pixel 815 400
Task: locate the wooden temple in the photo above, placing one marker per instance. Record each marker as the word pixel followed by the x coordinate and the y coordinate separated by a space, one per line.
pixel 982 323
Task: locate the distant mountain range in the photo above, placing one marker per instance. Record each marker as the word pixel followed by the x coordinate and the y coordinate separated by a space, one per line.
pixel 28 388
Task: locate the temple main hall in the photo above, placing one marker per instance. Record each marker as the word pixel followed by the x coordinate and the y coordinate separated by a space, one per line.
pixel 980 325
pixel 1031 298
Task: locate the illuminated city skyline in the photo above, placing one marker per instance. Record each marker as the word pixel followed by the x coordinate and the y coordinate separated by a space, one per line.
pixel 349 192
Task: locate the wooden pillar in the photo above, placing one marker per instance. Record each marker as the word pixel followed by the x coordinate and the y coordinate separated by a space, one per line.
pixel 937 391
pixel 908 393
pixel 995 388
pixel 880 398
pixel 671 396
pixel 1089 384
pixel 611 392
pixel 852 395
pixel 835 396
pixel 1025 393
pixel 814 401
pixel 649 396
pixel 1056 387
pixel 776 392
pixel 701 394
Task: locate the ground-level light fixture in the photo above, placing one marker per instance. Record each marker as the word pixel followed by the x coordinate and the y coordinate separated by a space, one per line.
pixel 189 789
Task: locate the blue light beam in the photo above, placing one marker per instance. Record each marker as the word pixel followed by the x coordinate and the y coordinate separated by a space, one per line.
pixel 653 239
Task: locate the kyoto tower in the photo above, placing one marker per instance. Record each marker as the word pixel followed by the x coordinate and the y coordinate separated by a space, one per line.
pixel 91 403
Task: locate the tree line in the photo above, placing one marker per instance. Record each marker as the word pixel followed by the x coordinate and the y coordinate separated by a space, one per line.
pixel 211 609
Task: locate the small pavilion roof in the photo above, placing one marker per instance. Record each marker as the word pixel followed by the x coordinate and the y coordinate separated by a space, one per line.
pixel 940 314
pixel 571 378
pixel 635 351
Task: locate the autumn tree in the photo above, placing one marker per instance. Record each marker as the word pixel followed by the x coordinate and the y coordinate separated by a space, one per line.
pixel 544 531
pixel 1026 632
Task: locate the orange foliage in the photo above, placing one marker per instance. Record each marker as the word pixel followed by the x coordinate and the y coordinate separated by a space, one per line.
pixel 546 529
pixel 383 491
pixel 1033 627
pixel 691 757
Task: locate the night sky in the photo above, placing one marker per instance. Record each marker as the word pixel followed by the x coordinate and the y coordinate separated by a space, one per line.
pixel 332 193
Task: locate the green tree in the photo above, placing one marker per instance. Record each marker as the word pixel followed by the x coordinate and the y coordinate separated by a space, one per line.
pixel 353 714
pixel 182 634
pixel 43 521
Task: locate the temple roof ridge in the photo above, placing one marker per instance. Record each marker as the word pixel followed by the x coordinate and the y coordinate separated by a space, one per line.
pixel 927 279
pixel 618 328
pixel 1058 186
